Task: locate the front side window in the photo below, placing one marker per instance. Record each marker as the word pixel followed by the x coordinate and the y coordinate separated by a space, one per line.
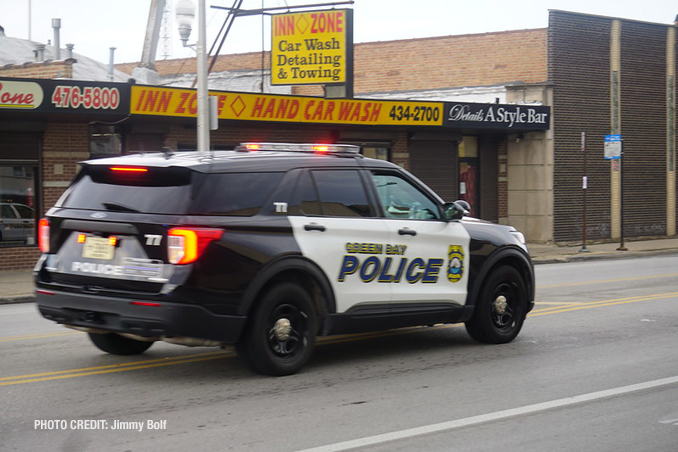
pixel 401 199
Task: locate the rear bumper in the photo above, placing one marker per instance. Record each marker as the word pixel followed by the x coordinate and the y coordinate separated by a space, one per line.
pixel 153 321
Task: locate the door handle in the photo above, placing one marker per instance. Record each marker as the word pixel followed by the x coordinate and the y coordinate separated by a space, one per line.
pixel 406 231
pixel 314 227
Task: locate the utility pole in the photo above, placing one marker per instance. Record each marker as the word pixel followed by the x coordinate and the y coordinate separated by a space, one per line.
pixel 622 247
pixel 203 105
pixel 584 188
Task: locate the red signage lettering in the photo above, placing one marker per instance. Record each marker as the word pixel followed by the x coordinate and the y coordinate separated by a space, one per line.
pixel 15 98
pixel 327 22
pixel 283 25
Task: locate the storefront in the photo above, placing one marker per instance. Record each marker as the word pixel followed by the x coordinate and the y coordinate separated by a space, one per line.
pixel 47 126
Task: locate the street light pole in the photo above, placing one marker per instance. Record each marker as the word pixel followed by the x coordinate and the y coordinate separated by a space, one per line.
pixel 203 102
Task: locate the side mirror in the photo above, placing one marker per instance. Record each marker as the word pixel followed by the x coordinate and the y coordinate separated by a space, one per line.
pixel 456 210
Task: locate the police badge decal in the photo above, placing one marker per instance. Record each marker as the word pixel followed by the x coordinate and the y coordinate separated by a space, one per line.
pixel 455 266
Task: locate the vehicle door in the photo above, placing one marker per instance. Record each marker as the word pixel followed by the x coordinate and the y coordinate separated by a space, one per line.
pixel 337 227
pixel 427 255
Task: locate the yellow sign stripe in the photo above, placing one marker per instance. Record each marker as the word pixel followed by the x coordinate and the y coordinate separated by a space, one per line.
pixel 157 101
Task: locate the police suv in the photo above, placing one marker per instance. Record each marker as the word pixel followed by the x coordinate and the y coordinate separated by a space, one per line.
pixel 267 247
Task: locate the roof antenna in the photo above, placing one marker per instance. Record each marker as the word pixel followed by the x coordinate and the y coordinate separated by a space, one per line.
pixel 168 152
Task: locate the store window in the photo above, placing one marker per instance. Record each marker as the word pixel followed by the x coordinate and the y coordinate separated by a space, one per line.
pixel 469 173
pixel 104 141
pixel 376 152
pixel 17 205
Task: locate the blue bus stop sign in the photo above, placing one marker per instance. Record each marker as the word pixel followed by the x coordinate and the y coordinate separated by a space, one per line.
pixel 613 147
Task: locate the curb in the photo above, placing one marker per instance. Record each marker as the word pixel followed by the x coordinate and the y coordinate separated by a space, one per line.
pixel 17 299
pixel 601 256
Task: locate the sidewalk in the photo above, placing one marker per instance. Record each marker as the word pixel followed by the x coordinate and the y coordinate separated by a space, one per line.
pixel 16 286
pixel 550 253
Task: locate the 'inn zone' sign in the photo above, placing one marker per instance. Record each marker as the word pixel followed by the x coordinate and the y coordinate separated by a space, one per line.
pixel 310 47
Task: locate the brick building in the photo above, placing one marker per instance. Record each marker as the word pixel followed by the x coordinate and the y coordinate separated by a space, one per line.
pixel 601 76
pixel 511 108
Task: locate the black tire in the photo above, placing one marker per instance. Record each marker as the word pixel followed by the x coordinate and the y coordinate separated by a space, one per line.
pixel 118 345
pixel 281 333
pixel 501 308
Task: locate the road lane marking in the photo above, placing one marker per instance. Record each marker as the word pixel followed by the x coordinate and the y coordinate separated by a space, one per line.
pixel 606 281
pixel 597 304
pixel 492 417
pixel 560 303
pixel 38 336
pixel 122 367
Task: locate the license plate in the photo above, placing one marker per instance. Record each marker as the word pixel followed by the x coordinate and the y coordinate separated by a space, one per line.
pixel 98 248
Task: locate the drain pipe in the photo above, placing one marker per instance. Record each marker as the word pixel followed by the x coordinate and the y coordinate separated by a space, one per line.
pixel 56 25
pixel 111 61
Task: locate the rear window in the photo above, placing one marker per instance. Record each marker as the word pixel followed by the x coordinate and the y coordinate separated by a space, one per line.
pixel 176 191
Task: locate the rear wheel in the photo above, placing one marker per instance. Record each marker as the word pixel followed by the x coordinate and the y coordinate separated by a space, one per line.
pixel 118 345
pixel 281 334
pixel 501 308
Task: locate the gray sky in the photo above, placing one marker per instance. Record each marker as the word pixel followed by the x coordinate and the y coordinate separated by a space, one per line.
pixel 95 25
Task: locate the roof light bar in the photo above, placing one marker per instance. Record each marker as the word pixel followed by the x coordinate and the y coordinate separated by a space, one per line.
pixel 300 147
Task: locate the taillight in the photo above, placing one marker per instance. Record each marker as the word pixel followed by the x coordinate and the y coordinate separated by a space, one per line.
pixel 43 235
pixel 186 245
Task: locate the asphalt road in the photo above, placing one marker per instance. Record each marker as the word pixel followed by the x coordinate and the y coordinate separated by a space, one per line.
pixel 595 368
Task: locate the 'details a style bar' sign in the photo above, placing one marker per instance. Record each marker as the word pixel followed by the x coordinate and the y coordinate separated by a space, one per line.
pixel 497 116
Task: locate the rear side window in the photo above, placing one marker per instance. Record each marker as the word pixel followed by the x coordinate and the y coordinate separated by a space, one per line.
pixel 332 193
pixel 24 211
pixel 7 211
pixel 176 191
pixel 234 194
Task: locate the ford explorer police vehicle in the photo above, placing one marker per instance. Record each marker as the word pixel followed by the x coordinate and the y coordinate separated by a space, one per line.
pixel 268 246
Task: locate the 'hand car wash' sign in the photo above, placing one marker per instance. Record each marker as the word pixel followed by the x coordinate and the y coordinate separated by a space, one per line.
pixel 310 47
pixel 183 102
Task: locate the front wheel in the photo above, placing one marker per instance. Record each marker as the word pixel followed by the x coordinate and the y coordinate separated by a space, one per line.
pixel 501 308
pixel 281 334
pixel 118 345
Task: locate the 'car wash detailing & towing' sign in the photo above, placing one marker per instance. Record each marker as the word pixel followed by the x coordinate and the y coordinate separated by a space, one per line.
pixel 314 47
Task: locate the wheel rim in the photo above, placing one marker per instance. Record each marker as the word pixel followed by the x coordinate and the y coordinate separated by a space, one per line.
pixel 286 334
pixel 503 307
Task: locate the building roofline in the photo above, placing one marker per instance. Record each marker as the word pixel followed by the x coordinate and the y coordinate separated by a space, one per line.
pixel 599 16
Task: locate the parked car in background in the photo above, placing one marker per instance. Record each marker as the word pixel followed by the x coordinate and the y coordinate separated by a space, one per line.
pixel 16 222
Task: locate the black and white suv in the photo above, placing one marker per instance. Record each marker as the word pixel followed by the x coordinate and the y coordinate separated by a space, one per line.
pixel 266 247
